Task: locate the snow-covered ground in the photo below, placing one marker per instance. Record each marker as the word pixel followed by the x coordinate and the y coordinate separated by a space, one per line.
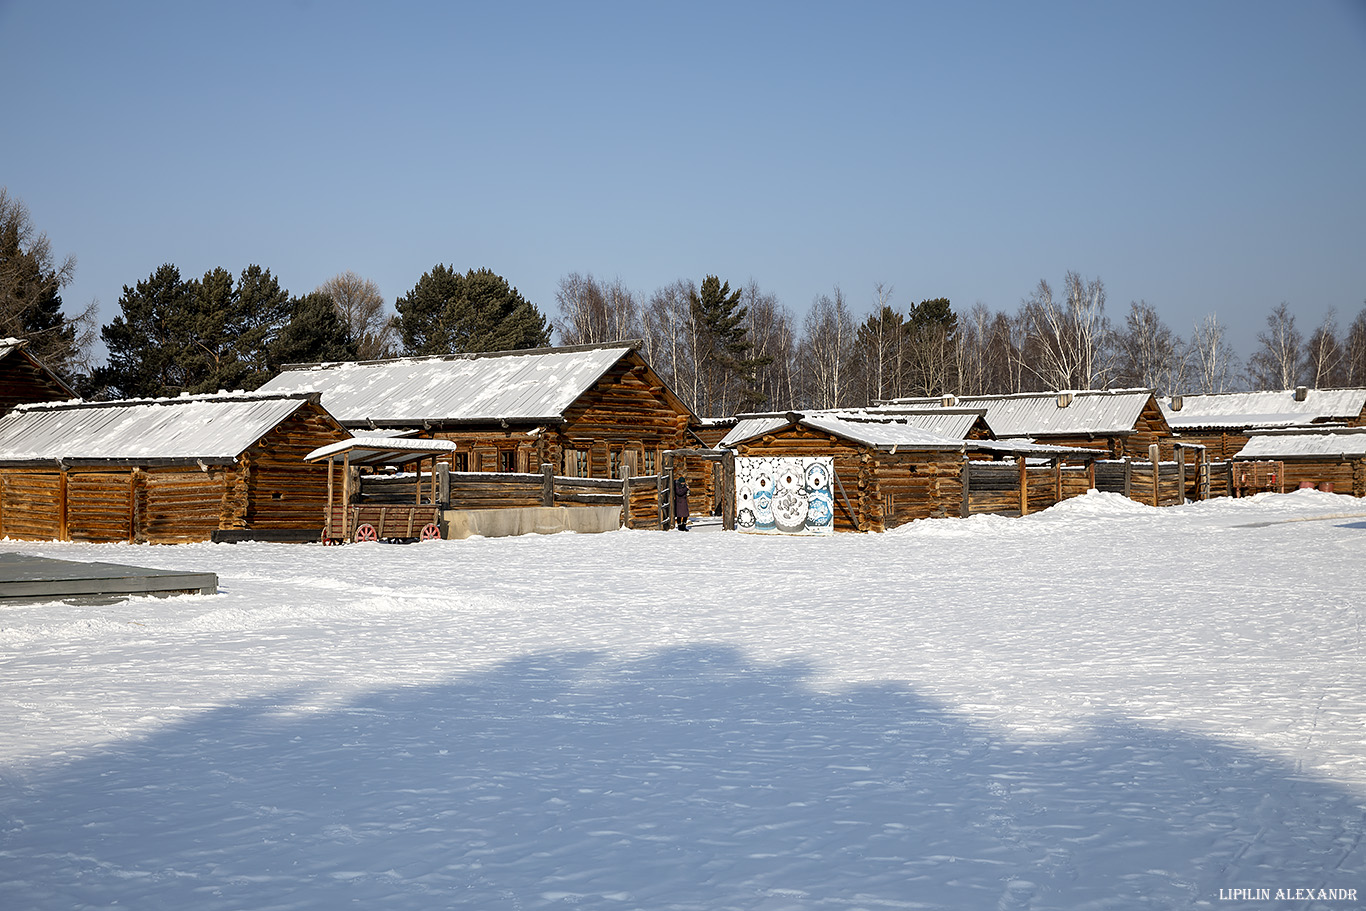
pixel 1099 706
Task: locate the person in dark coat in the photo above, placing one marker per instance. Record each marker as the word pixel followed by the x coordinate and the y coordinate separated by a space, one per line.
pixel 681 502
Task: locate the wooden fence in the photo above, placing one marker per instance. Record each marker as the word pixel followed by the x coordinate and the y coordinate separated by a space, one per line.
pixel 637 497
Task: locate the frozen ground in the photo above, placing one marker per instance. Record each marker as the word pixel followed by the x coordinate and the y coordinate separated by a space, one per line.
pixel 1100 706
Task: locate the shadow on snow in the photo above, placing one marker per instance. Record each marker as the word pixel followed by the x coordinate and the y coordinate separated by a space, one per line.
pixel 691 779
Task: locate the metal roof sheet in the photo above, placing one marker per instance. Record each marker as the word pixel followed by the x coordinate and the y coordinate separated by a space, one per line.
pixel 1276 408
pixel 380 450
pixel 1087 412
pixel 210 428
pixel 946 424
pixel 1347 442
pixel 531 386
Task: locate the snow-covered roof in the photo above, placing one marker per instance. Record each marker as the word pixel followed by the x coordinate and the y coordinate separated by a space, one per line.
pixel 1262 409
pixel 534 385
pixel 9 346
pixel 1336 442
pixel 950 424
pixel 380 449
pixel 896 432
pixel 212 428
pixel 1036 414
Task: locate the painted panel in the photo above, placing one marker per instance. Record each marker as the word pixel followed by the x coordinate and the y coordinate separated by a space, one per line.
pixel 784 496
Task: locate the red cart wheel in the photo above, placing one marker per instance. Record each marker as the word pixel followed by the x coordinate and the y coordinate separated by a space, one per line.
pixel 366 532
pixel 430 532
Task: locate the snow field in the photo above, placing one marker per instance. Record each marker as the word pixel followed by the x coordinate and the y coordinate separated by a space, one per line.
pixel 1100 706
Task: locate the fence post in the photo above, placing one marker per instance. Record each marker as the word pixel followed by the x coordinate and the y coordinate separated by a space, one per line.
pixel 1181 469
pixel 966 485
pixel 1154 456
pixel 547 484
pixel 626 501
pixel 728 490
pixel 443 480
pixel 1024 486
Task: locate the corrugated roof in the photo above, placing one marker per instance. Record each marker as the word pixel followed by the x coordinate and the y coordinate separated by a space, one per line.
pixel 1039 414
pixel 209 428
pixel 1263 409
pixel 1345 442
pixel 953 424
pixel 380 450
pixel 515 386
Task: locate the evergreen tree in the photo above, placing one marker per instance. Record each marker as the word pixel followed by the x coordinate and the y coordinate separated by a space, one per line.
pixel 31 281
pixel 316 332
pixel 147 341
pixel 450 313
pixel 725 371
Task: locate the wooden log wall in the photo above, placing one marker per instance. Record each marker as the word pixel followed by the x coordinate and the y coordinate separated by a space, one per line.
pixel 102 505
pixel 181 505
pixel 282 490
pixel 642 508
pixel 29 503
pixel 1347 476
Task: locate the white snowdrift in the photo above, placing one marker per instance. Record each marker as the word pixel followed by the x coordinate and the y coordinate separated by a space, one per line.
pixel 1100 706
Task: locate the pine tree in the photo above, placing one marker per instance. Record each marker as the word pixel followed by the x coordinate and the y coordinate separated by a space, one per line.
pixel 725 371
pixel 315 333
pixel 450 313
pixel 147 341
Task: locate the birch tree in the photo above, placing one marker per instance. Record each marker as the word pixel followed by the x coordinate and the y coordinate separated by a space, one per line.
pixel 593 311
pixel 1067 339
pixel 826 351
pixel 1354 352
pixel 362 309
pixel 1325 360
pixel 1213 364
pixel 1148 354
pixel 1279 362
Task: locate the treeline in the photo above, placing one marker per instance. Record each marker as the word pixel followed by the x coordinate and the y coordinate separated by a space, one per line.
pixel 724 350
pixel 828 358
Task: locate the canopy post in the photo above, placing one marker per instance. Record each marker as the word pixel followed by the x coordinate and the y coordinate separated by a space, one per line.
pixel 346 494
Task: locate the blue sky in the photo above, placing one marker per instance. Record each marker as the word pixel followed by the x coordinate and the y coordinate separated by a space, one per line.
pixel 1206 157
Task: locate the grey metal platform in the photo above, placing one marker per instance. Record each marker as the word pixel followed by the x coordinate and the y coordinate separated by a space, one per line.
pixel 24 577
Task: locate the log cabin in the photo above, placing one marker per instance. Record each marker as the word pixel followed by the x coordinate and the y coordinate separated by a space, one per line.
pixel 889 470
pixel 1224 422
pixel 1329 458
pixel 593 411
pixel 1124 422
pixel 195 468
pixel 25 379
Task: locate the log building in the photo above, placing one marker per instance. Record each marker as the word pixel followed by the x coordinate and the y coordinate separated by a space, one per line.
pixel 595 411
pixel 889 470
pixel 1224 422
pixel 195 468
pixel 1124 422
pixel 1329 458
pixel 25 379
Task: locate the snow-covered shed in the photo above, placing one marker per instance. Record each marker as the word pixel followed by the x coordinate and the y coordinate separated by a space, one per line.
pixel 890 468
pixel 24 378
pixel 1318 456
pixel 1125 422
pixel 1224 422
pixel 194 468
pixel 593 411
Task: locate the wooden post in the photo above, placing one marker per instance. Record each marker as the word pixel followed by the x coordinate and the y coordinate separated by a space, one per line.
pixel 62 532
pixel 1024 486
pixel 668 511
pixel 728 490
pixel 1128 477
pixel 1181 469
pixel 327 518
pixel 1091 474
pixel 443 473
pixel 346 494
pixel 626 500
pixel 965 475
pixel 547 484
pixel 1154 456
pixel 1057 480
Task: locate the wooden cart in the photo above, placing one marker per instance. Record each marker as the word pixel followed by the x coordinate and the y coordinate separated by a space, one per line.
pixel 346 523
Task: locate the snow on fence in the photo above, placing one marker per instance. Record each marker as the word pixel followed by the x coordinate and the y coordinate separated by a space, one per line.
pixel 637 496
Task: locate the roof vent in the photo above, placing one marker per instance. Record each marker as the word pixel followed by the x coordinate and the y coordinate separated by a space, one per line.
pixel 1065 399
pixel 1176 403
pixel 1301 393
pixel 948 400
